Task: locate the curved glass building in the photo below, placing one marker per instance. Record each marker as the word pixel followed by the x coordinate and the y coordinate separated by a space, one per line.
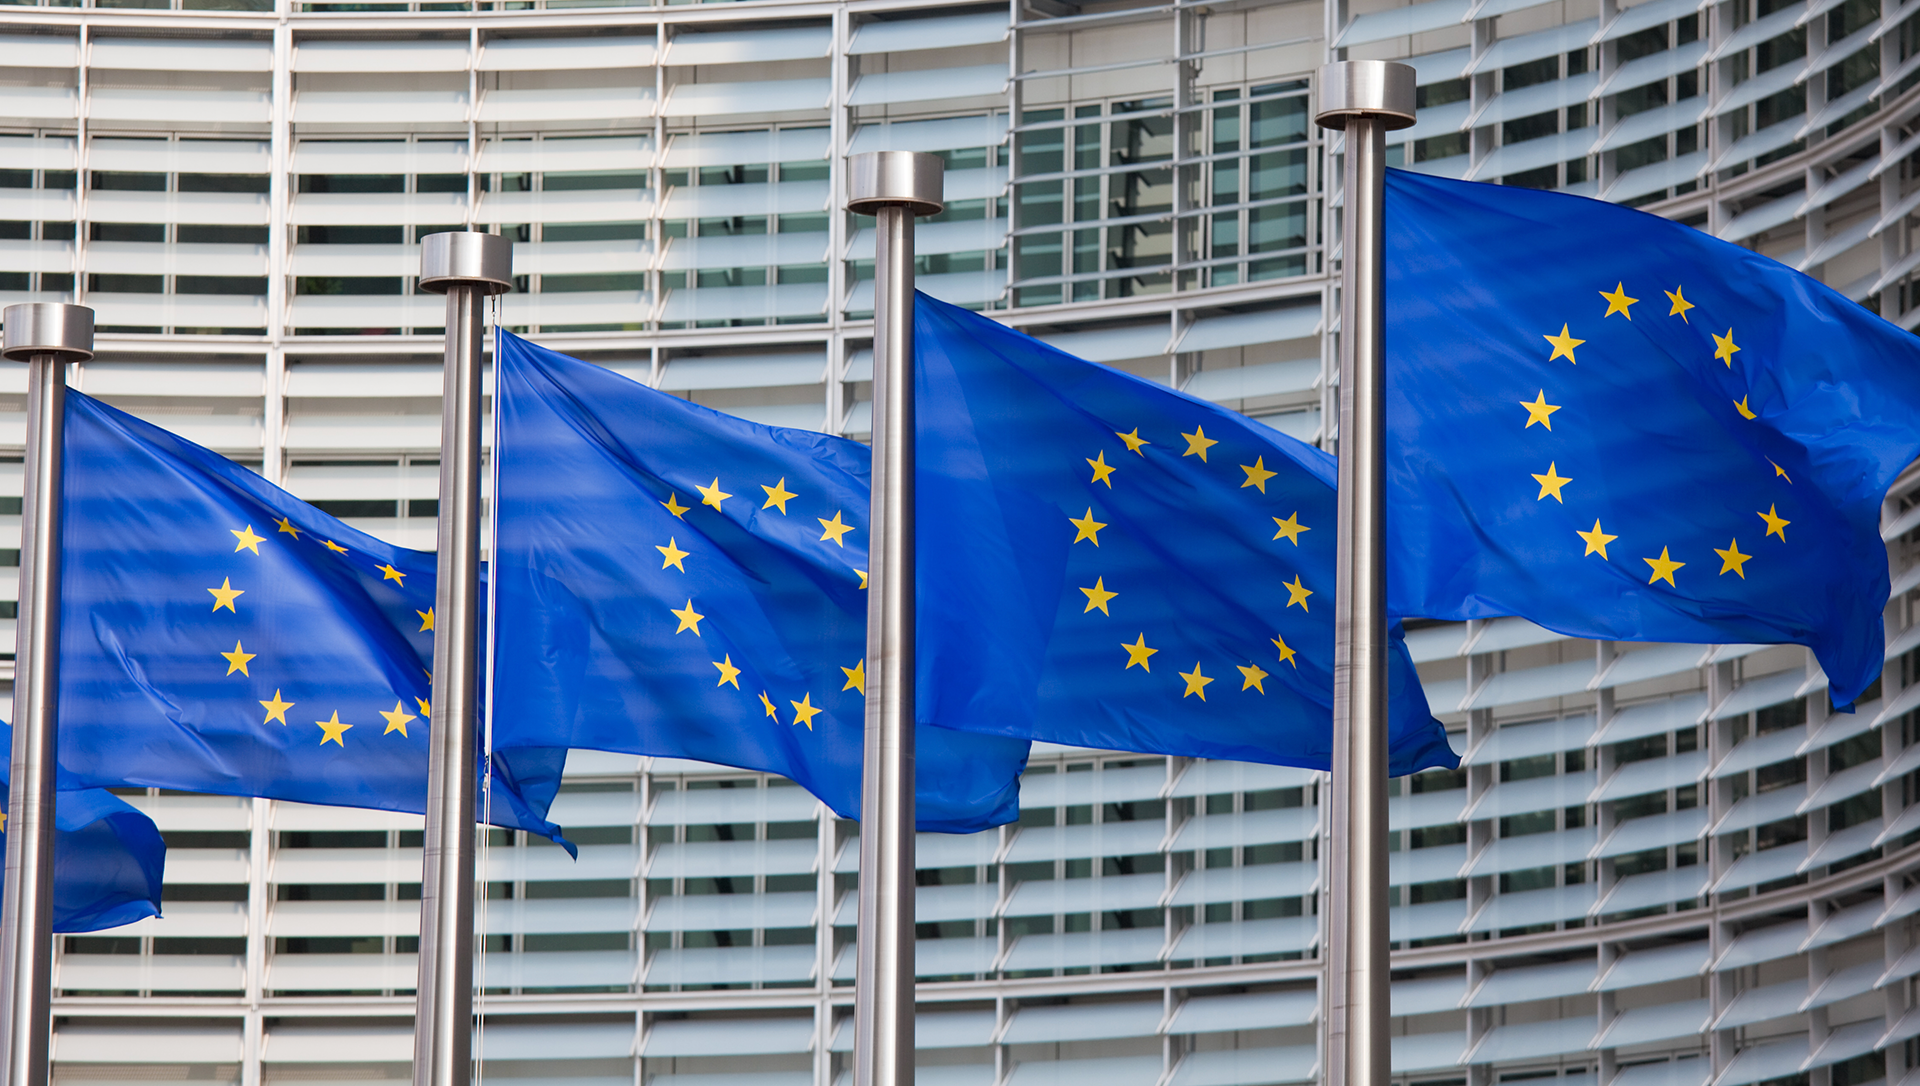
pixel 1660 865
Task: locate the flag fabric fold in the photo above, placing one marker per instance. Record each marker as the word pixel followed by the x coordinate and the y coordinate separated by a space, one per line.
pixel 1105 562
pixel 676 582
pixel 108 857
pixel 220 635
pixel 1620 427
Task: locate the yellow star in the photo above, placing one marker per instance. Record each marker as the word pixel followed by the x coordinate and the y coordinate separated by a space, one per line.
pixel 804 710
pixel 426 620
pixel 1257 474
pixel 1290 528
pixel 337 549
pixel 777 495
pixel 1746 412
pixel 728 672
pixel 1138 652
pixel 276 709
pixel 247 540
pixel 1723 347
pixel 856 678
pixel 1254 677
pixel 1098 596
pixel 711 494
pixel 237 659
pixel 1617 302
pixel 1781 472
pixel 388 573
pixel 834 529
pixel 1089 527
pixel 671 554
pixel 1286 654
pixel 1550 483
pixel 1198 443
pixel 1540 411
pixel 426 709
pixel 768 706
pixel 1196 682
pixel 287 526
pixel 226 594
pixel 1731 560
pixel 1102 473
pixel 1663 567
pixel 1776 524
pixel 1680 304
pixel 863 577
pixel 1597 540
pixel 1298 593
pixel 689 619
pixel 396 720
pixel 673 504
pixel 1563 345
pixel 1133 440
pixel 334 730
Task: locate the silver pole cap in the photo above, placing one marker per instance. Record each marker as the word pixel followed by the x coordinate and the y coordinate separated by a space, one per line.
pixel 1366 88
pixel 466 258
pixel 907 179
pixel 56 328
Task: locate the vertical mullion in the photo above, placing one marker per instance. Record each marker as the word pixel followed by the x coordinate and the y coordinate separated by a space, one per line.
pixel 473 127
pixel 656 228
pixel 81 154
pixel 1016 52
pixel 279 244
pixel 840 134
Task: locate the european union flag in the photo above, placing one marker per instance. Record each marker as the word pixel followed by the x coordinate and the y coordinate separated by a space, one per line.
pixel 220 635
pixel 677 582
pixel 1620 427
pixel 1105 562
pixel 108 857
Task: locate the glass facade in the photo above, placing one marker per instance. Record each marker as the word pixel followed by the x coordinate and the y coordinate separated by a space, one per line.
pixel 1660 865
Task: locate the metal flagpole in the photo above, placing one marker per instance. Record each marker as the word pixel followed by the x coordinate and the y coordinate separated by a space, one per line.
pixel 894 187
pixel 467 267
pixel 46 336
pixel 1366 98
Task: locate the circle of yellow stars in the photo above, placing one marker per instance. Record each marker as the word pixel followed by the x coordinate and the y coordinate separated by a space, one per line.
pixel 1552 484
pixel 1087 528
pixel 687 617
pixel 227 598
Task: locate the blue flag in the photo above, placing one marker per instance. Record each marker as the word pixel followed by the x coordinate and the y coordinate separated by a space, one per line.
pixel 1105 562
pixel 1620 427
pixel 677 582
pixel 108 857
pixel 220 635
